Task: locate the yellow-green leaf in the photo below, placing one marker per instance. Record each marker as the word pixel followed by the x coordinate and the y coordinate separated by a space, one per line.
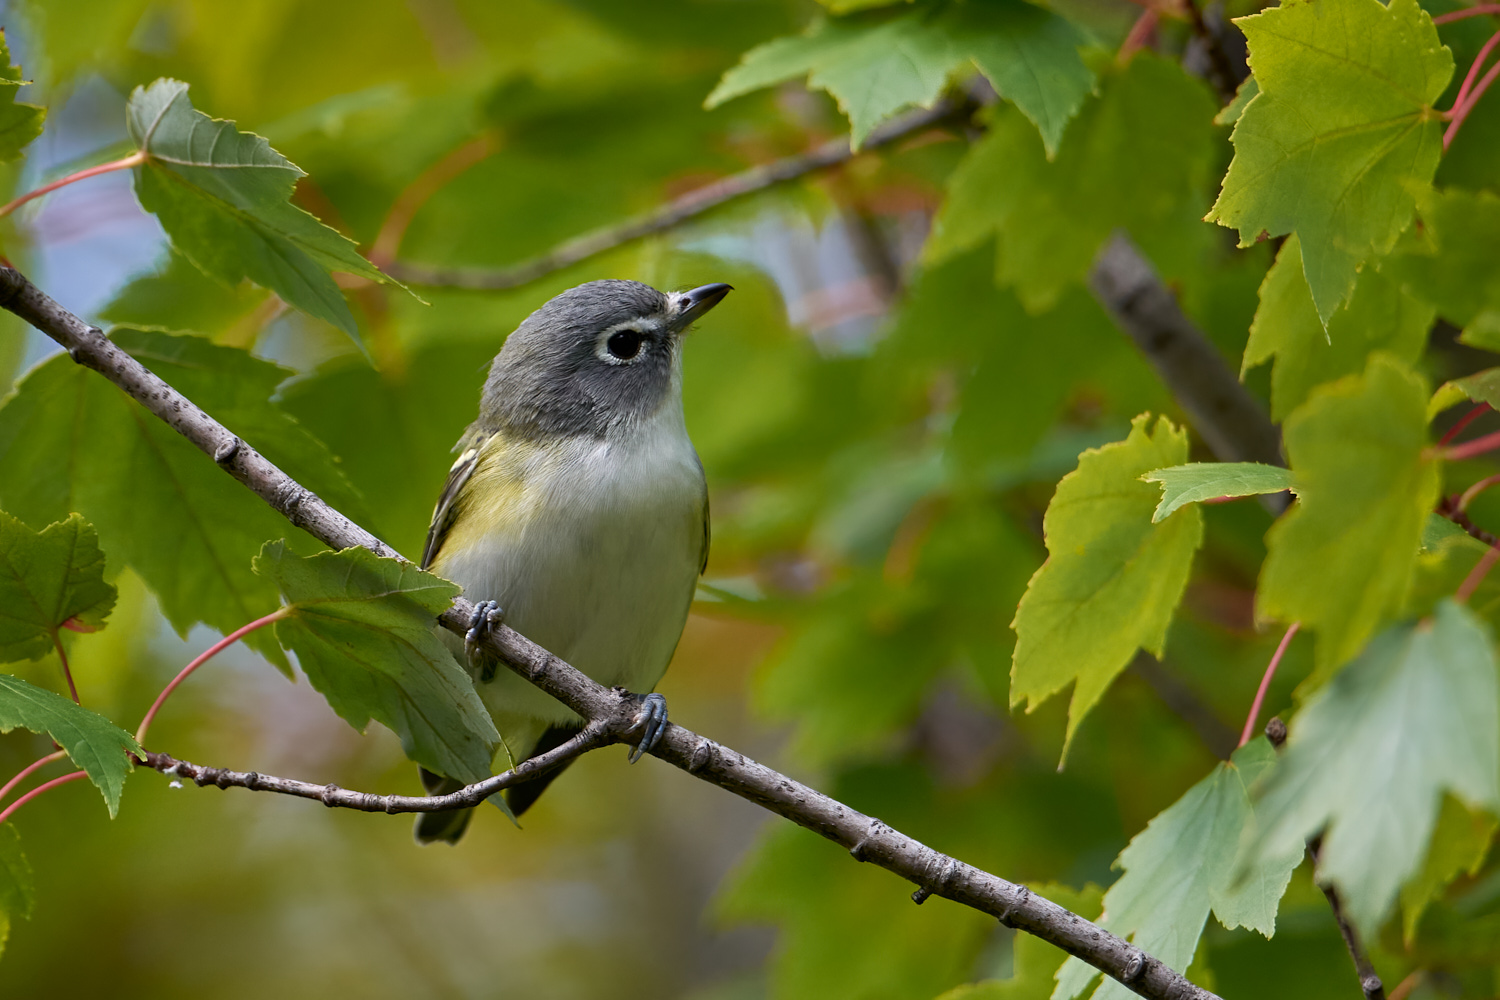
pixel 1340 560
pixel 1342 137
pixel 1112 579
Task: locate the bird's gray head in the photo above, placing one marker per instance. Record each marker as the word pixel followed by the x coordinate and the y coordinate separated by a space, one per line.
pixel 598 356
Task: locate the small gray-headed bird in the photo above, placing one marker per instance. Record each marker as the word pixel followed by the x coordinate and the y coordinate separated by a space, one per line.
pixel 578 510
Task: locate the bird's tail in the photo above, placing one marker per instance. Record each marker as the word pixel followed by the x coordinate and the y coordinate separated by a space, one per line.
pixel 448 826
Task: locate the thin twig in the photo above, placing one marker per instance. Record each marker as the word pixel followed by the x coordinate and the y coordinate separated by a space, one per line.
pixel 1448 507
pixel 1185 703
pixel 677 211
pixel 198 661
pixel 1265 682
pixel 591 737
pixel 1369 979
pixel 416 194
pixel 1233 422
pixel 866 838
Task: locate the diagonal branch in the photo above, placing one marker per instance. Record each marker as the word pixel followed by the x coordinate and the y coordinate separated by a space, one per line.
pixel 1370 983
pixel 1232 421
pixel 674 213
pixel 613 709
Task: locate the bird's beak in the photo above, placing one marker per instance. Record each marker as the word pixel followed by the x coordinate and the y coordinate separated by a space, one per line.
pixel 694 304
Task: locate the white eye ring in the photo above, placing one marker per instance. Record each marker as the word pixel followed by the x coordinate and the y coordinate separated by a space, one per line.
pixel 622 345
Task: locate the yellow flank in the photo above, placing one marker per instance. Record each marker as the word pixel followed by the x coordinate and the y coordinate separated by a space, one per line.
pixel 502 493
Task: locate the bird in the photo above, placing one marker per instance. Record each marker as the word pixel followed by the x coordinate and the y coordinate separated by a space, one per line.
pixel 577 513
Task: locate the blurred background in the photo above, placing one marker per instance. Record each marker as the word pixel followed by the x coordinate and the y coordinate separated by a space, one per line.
pixel 881 438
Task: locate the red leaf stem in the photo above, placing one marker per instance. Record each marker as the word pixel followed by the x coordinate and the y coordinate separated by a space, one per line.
pixel 63 659
pixel 1461 111
pixel 133 160
pixel 1464 421
pixel 1474 68
pixel 38 790
pixel 208 654
pixel 1459 15
pixel 29 770
pixel 1265 682
pixel 1468 495
pixel 1469 449
pixel 1476 575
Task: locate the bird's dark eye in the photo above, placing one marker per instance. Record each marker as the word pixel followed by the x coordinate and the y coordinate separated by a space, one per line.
pixel 624 344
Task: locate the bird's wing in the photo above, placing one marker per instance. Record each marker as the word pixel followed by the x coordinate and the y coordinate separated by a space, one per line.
pixel 442 515
pixel 707 536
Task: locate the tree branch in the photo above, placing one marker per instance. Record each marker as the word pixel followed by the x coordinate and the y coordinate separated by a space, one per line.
pixel 1231 421
pixel 593 736
pixel 1369 980
pixel 866 838
pixel 675 212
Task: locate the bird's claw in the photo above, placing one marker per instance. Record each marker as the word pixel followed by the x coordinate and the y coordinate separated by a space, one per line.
pixel 487 615
pixel 653 722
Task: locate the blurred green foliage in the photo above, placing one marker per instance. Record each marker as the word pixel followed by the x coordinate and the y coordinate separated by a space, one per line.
pixel 909 366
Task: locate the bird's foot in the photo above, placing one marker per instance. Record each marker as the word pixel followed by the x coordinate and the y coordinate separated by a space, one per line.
pixel 487 616
pixel 652 723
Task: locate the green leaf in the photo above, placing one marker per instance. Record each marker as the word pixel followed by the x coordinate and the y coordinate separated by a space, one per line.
pixel 1378 316
pixel 19 123
pixel 1342 137
pixel 849 6
pixel 17 884
pixel 1182 865
pixel 1036 961
pixel 1339 561
pixel 1460 842
pixel 1152 124
pixel 876 65
pixel 71 441
pixel 48 578
pixel 1482 387
pixel 1197 481
pixel 222 195
pixel 362 629
pixel 175 295
pixel 1417 714
pixel 1451 263
pixel 1030 56
pixel 1242 97
pixel 1112 580
pixel 94 743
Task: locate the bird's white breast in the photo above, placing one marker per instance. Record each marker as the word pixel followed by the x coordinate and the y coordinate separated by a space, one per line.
pixel 594 555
